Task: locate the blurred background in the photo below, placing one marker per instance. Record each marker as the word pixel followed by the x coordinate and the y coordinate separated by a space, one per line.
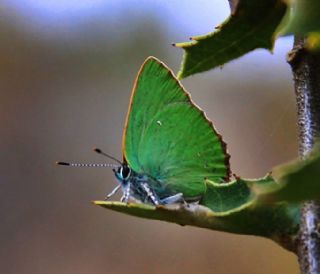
pixel 67 69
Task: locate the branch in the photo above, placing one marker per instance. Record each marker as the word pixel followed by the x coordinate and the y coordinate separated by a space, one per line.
pixel 305 66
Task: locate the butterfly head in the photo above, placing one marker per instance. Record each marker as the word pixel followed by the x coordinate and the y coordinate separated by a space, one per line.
pixel 123 172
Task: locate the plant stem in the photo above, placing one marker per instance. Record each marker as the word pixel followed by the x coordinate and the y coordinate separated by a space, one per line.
pixel 305 66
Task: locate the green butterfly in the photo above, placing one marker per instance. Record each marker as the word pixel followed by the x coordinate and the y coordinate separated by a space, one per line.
pixel 169 146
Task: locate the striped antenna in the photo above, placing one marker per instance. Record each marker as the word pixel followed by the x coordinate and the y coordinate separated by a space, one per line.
pixel 99 151
pixel 85 165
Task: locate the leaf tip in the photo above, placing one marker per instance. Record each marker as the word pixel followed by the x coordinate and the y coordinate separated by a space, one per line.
pixel 184 45
pixel 99 203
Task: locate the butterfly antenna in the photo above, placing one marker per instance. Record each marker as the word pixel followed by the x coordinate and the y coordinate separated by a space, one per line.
pixel 99 151
pixel 85 165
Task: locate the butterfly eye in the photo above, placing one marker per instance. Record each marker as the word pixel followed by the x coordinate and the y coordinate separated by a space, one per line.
pixel 125 172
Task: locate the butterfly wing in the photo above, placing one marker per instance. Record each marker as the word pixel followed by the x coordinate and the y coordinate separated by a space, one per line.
pixel 168 137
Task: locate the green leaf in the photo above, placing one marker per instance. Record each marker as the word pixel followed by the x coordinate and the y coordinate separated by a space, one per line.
pixel 233 207
pixel 252 25
pixel 227 196
pixel 278 222
pixel 299 180
pixel 268 206
pixel 246 208
pixel 303 18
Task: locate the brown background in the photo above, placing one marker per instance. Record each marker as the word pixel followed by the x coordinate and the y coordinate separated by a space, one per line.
pixel 65 88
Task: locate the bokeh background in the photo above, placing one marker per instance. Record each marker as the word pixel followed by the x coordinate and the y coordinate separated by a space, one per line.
pixel 67 69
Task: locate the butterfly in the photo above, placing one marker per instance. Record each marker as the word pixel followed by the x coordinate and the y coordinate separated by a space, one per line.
pixel 169 146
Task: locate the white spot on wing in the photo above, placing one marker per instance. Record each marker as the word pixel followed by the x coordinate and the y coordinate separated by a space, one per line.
pixel 159 123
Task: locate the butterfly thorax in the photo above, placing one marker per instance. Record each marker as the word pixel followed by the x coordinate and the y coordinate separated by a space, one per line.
pixel 143 188
pixel 136 186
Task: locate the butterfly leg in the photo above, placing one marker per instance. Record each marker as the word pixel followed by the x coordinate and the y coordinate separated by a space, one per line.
pixel 177 198
pixel 114 191
pixel 150 194
pixel 126 193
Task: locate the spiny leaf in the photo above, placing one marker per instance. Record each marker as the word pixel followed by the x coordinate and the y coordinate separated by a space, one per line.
pixel 227 197
pixel 303 18
pixel 278 222
pixel 232 207
pixel 300 179
pixel 293 183
pixel 252 25
pixel 267 207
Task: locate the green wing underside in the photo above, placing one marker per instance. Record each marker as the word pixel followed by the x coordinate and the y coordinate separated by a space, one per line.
pixel 168 138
